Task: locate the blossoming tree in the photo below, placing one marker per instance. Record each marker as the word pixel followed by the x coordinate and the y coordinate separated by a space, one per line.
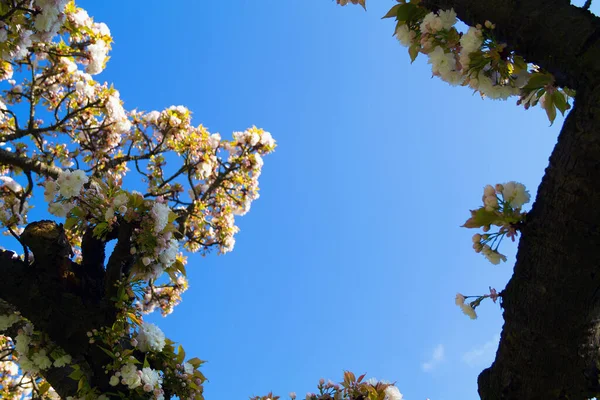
pixel 540 53
pixel 71 320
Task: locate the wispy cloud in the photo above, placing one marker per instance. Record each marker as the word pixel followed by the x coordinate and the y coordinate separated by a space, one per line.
pixel 483 354
pixel 436 357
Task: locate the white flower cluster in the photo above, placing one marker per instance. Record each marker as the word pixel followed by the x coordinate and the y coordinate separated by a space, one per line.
pixel 435 22
pixel 98 52
pixel 51 17
pixel 11 184
pixel 466 308
pixel 33 357
pixel 13 207
pixel 253 138
pixel 68 185
pixel 515 194
pixel 160 212
pixel 116 115
pixel 6 321
pixel 452 63
pixel 393 393
pixel 118 204
pixel 150 338
pixel 470 42
pixel 133 378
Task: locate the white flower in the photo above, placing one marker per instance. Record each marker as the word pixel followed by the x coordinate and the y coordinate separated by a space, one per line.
pixel 392 393
pixel 120 200
pixel 80 17
pixel 10 367
pixel 151 377
pixel 114 380
pixel 116 113
pixel 70 183
pixel 45 21
pixel 431 23
pixel 98 52
pixel 188 368
pixel 491 203
pixel 468 310
pixel 154 272
pixel 372 381
pixel 60 210
pixel 448 18
pixel 404 36
pixel 214 140
pixel 168 256
pixel 152 117
pixel 267 139
pixel 493 256
pixel 50 190
pixel 10 183
pixel 22 344
pixel 6 321
pixel 160 212
pixel 41 359
pixel 470 42
pixel 459 299
pixel 442 63
pixel 62 361
pixel 130 376
pixel 515 194
pixel 102 28
pixel 150 337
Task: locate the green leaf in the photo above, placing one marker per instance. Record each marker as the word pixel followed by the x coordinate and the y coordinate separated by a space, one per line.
pixel 108 352
pixel 560 101
pixel 482 217
pixel 78 212
pixel 413 52
pixel 76 374
pixel 100 229
pixel 520 63
pixel 70 222
pixel 538 80
pixel 146 363
pixel 405 12
pixel 550 108
pixel 180 354
pixel 196 362
pixel 44 387
pixel 81 384
pixel 392 13
pixel 569 92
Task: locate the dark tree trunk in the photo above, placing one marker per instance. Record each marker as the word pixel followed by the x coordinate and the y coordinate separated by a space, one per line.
pixel 64 299
pixel 550 343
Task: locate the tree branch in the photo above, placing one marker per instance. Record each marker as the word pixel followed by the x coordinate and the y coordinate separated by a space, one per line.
pixel 557 36
pixel 28 164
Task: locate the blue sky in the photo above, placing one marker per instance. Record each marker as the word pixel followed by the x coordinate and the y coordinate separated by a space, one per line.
pixel 353 254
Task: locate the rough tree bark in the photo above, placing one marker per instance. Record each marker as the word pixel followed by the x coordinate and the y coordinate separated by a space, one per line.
pixel 65 299
pixel 550 343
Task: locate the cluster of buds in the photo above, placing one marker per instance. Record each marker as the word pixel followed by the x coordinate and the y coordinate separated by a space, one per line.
pixel 502 208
